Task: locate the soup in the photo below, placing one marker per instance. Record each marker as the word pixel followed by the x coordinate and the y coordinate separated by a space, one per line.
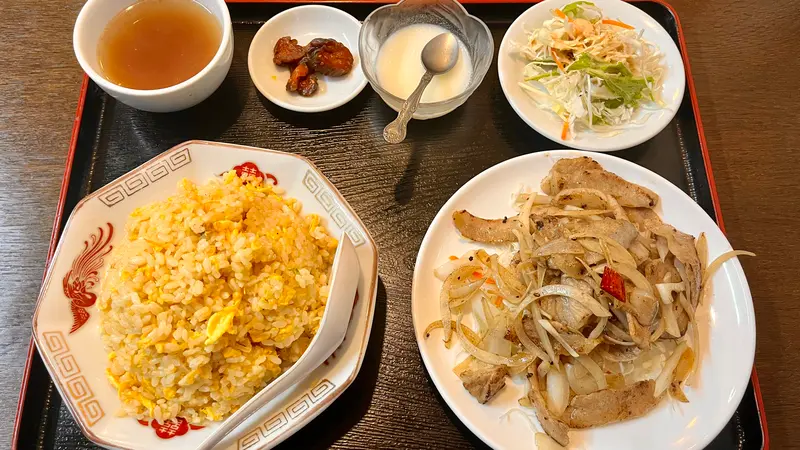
pixel 155 44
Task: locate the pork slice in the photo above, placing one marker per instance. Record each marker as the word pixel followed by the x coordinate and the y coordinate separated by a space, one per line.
pixel 619 230
pixel 484 382
pixel 626 193
pixel 566 310
pixel 554 427
pixel 488 231
pixel 645 218
pixel 611 405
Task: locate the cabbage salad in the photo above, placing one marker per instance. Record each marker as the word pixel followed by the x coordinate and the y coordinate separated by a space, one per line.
pixel 594 72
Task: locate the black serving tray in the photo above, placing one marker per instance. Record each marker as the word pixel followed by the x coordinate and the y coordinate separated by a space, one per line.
pixel 395 189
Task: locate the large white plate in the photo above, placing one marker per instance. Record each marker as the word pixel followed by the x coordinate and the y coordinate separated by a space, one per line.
pixel 727 325
pixel 510 65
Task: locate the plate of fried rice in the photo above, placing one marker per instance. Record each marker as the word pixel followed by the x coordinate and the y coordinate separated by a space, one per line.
pixel 183 288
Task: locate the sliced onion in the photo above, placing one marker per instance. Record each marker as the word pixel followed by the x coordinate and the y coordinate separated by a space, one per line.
pixel 627 354
pixel 544 339
pixel 464 365
pixel 511 289
pixel 670 321
pixel 541 270
pixel 665 291
pixel 685 305
pixel 599 328
pixel 526 341
pixel 487 357
pixel 592 274
pixel 594 370
pixel 701 245
pixel 447 268
pixel 538 199
pixel 444 298
pixel 580 212
pixel 582 196
pixel 662 246
pixel 617 341
pixel 633 274
pixel 524 249
pixel 525 213
pixel 684 278
pixel 580 384
pixel 660 329
pixel 694 332
pixel 557 391
pixel 549 328
pixel 542 370
pixel 568 291
pixel 616 251
pixel 665 377
pixel 639 252
pixel 717 263
pixel 471 335
pixel 466 290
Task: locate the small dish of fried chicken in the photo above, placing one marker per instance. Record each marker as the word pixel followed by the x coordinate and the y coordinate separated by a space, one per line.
pixel 306 59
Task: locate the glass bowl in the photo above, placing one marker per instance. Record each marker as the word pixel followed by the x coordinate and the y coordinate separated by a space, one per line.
pixel 449 14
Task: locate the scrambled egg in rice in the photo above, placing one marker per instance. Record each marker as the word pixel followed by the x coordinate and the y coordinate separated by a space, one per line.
pixel 211 295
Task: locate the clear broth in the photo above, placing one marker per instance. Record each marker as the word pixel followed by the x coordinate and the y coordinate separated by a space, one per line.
pixel 154 44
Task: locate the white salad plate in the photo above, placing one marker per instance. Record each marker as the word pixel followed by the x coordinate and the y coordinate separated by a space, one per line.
pixel 305 23
pixel 726 320
pixel 66 326
pixel 510 65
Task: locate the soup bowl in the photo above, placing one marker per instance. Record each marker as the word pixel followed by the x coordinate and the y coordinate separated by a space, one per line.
pixel 89 27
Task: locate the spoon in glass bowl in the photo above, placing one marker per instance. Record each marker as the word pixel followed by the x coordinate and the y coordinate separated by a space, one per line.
pixel 438 56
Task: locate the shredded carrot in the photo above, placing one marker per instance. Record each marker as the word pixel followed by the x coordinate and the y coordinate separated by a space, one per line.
pixel 555 58
pixel 490 280
pixel 477 274
pixel 617 23
pixel 560 13
pixel 498 301
pixel 453 257
pixel 564 130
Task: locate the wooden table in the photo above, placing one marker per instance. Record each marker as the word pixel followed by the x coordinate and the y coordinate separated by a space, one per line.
pixel 745 66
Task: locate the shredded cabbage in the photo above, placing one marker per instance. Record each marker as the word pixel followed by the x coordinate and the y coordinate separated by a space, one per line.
pixel 592 74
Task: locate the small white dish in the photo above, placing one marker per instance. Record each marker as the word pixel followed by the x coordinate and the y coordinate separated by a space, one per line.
pixel 89 27
pixel 510 65
pixel 726 320
pixel 305 23
pixel 73 352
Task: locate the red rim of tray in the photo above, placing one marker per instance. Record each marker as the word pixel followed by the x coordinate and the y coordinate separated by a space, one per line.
pixel 76 129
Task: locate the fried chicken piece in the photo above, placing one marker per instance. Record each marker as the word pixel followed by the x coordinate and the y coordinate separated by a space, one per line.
pixel 308 86
pixel 299 72
pixel 329 57
pixel 288 52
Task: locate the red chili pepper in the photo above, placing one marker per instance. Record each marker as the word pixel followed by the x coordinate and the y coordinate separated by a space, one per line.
pixel 613 283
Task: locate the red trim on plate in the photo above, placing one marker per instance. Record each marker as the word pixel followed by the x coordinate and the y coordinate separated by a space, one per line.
pixel 700 132
pixel 62 197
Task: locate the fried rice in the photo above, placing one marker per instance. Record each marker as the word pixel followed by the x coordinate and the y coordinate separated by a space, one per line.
pixel 211 294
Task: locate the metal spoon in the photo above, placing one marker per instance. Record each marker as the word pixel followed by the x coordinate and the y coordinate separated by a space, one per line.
pixel 332 329
pixel 438 56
